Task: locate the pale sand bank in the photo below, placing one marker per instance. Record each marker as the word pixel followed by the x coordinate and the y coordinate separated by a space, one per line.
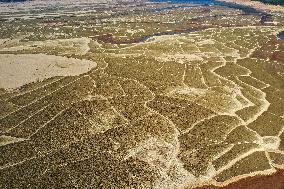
pixel 77 46
pixel 257 5
pixel 4 140
pixel 17 70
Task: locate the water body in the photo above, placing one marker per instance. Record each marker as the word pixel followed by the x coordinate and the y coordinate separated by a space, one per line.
pixel 281 35
pixel 194 3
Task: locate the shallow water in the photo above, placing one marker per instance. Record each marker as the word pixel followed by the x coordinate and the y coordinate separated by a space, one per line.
pixel 281 35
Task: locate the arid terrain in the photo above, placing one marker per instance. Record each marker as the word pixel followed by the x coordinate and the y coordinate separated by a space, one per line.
pixel 141 94
pixel 258 4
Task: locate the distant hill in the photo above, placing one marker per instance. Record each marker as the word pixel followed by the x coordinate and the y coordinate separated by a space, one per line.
pixel 273 2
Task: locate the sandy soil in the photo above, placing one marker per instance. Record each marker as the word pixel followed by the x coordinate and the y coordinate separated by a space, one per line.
pixel 17 70
pixel 180 58
pixel 258 5
pixel 39 4
pixel 78 46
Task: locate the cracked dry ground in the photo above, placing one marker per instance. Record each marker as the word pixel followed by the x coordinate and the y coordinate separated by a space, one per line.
pixel 174 111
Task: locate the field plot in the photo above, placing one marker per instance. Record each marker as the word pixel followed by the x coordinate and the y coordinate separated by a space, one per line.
pixel 139 95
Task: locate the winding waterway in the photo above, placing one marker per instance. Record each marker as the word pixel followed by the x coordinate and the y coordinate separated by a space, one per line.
pixel 188 4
